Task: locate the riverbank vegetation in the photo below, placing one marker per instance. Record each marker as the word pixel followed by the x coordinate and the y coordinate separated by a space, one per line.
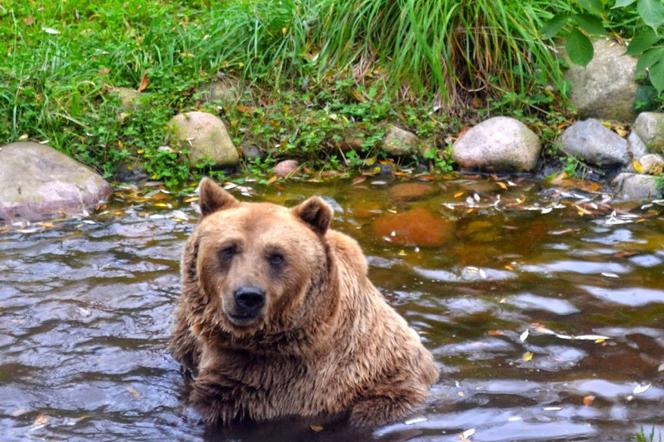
pixel 314 80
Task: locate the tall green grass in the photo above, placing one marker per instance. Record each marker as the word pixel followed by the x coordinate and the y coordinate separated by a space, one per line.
pixel 450 47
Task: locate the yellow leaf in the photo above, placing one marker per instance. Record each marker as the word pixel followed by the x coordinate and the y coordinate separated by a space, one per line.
pixel 527 356
pixel 637 166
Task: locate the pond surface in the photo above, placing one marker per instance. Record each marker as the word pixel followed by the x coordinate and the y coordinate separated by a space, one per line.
pixel 543 306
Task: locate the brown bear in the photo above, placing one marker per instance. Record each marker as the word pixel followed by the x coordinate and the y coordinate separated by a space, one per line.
pixel 278 318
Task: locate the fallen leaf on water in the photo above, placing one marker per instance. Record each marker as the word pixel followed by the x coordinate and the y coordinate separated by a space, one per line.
pixel 41 421
pixel 359 180
pixel 316 428
pixel 661 367
pixel 641 388
pixel 588 400
pixel 610 275
pixel 458 194
pixel 495 333
pixel 416 420
pixel 465 436
pixel 134 392
pixel 527 356
pixel 524 336
pixel 502 185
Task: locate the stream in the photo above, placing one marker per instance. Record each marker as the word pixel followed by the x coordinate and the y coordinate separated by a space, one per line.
pixel 544 307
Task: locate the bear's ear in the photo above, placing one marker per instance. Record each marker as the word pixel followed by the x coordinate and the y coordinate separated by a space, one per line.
pixel 316 213
pixel 213 198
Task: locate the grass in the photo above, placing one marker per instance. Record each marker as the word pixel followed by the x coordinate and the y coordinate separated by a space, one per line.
pixel 642 436
pixel 318 74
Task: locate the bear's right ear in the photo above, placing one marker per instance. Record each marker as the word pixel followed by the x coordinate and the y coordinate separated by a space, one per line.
pixel 213 198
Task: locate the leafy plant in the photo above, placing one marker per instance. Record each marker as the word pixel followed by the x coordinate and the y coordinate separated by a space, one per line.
pixel 591 17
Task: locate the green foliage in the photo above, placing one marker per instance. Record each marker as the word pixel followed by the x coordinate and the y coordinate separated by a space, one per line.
pixel 642 436
pixel 588 17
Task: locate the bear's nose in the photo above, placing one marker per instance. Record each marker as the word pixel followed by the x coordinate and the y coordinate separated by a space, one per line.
pixel 249 300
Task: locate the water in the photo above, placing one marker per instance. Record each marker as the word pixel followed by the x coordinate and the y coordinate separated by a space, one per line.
pixel 85 315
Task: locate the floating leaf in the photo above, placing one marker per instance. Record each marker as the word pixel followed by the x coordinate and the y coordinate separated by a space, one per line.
pixel 316 428
pixel 588 400
pixel 527 356
pixel 610 275
pixel 641 388
pixel 465 436
pixel 524 336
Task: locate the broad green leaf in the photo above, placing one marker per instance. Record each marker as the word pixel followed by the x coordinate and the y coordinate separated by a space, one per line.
pixel 652 12
pixel 579 48
pixel 590 23
pixel 623 3
pixel 592 6
pixel 552 27
pixel 642 41
pixel 647 59
pixel 657 76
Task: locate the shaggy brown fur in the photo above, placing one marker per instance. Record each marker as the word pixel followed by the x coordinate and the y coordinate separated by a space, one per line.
pixel 325 342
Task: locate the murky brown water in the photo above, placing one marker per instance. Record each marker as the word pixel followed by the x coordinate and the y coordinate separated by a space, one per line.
pixel 85 315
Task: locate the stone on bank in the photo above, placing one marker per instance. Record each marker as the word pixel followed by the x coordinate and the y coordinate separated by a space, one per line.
pixel 38 182
pixel 205 137
pixel 590 141
pixel 638 187
pixel 649 126
pixel 499 144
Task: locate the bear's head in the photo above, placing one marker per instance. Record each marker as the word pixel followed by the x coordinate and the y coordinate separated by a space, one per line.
pixel 260 266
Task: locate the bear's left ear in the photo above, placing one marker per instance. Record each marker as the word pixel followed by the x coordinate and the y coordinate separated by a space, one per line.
pixel 212 197
pixel 316 213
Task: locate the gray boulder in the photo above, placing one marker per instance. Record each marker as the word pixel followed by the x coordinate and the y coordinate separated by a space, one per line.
pixel 635 146
pixel 590 141
pixel 38 182
pixel 399 142
pixel 649 126
pixel 204 136
pixel 632 186
pixel 606 87
pixel 500 144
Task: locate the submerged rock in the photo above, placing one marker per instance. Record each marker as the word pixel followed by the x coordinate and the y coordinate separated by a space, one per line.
pixel 590 141
pixel 632 186
pixel 285 168
pixel 500 144
pixel 411 191
pixel 605 88
pixel 400 142
pixel 416 227
pixel 649 126
pixel 38 182
pixel 204 136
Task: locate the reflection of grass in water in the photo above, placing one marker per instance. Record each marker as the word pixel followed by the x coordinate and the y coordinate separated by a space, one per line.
pixel 648 437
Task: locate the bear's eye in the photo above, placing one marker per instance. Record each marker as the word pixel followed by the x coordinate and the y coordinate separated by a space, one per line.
pixel 276 259
pixel 227 253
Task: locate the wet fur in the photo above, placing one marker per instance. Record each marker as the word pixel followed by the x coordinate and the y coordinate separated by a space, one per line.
pixel 339 348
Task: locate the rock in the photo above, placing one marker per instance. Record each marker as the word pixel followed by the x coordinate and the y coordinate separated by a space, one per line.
pixel 632 186
pixel 652 164
pixel 128 97
pixel 605 88
pixel 38 182
pixel 411 191
pixel 224 91
pixel 204 136
pixel 635 146
pixel 590 141
pixel 500 144
pixel 252 152
pixel 400 142
pixel 416 227
pixel 649 126
pixel 285 168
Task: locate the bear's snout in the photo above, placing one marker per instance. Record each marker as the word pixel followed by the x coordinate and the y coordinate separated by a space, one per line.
pixel 249 301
